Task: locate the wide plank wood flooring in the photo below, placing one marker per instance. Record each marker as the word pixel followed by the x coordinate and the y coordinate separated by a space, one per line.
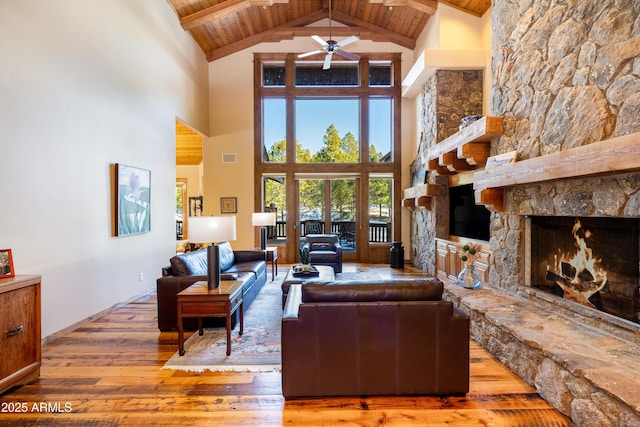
pixel 107 373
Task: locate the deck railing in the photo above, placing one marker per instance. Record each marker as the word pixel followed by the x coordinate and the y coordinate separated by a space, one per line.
pixel 379 232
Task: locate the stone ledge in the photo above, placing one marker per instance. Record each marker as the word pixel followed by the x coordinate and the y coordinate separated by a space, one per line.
pixel 586 374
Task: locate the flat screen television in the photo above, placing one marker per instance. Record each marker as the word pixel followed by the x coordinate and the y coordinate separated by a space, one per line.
pixel 466 219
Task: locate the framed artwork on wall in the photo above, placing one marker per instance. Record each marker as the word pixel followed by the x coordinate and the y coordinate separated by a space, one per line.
pixel 133 200
pixel 228 205
pixel 6 264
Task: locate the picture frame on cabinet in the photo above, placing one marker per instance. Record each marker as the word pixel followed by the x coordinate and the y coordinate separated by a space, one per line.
pixel 132 200
pixel 6 264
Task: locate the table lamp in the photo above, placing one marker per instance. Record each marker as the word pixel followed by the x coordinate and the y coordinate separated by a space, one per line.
pixel 212 229
pixel 262 219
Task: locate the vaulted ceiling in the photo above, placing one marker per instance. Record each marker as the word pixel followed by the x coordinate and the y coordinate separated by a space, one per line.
pixel 223 27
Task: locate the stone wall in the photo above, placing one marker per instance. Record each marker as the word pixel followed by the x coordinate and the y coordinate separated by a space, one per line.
pixel 447 97
pixel 565 74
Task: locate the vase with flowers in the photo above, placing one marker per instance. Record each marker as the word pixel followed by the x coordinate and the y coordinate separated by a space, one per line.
pixel 469 278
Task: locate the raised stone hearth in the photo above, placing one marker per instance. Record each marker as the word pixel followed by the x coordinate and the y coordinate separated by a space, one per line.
pixel 580 359
pixel 585 373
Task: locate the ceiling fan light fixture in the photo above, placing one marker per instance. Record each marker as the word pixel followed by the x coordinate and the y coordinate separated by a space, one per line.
pixel 330 47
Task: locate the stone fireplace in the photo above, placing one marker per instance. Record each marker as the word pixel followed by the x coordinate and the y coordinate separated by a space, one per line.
pixel 592 261
pixel 565 80
pixel 546 220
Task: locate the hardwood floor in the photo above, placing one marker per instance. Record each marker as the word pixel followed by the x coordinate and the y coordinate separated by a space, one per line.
pixel 108 373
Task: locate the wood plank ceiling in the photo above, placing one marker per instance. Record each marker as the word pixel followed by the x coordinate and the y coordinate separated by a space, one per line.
pixel 188 146
pixel 223 27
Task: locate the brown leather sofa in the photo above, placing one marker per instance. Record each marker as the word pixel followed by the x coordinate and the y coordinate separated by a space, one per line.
pixel 372 339
pixel 186 269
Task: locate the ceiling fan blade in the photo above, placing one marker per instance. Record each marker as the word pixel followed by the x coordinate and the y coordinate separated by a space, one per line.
pixel 347 41
pixel 327 61
pixel 319 40
pixel 348 55
pixel 313 52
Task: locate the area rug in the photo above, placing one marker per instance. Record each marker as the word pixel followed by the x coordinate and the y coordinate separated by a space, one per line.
pixel 364 276
pixel 256 350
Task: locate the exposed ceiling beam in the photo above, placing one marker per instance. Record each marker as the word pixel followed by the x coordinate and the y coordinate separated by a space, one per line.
pixel 221 10
pixel 288 32
pixel 425 6
pixel 276 34
pixel 345 19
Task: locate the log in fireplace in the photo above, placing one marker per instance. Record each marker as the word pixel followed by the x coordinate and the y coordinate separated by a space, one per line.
pixel 593 261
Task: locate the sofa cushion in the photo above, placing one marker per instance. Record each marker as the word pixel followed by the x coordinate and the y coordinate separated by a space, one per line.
pixel 190 264
pixel 322 247
pixel 254 267
pixel 367 292
pixel 227 258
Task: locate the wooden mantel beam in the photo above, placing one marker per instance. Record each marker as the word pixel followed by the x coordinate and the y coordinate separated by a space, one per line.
pixel 425 6
pixel 615 155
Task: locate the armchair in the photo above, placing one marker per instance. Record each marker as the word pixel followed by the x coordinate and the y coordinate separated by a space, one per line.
pixel 324 249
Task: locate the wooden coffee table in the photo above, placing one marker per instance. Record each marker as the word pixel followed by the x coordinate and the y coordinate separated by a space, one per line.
pixel 199 301
pixel 326 275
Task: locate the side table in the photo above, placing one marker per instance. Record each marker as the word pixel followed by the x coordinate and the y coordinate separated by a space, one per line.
pixel 272 256
pixel 199 301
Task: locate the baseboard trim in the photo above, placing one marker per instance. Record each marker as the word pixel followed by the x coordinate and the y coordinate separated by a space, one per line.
pixel 62 332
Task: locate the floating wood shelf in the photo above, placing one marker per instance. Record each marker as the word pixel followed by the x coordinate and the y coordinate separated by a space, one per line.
pixel 420 195
pixel 615 155
pixel 465 150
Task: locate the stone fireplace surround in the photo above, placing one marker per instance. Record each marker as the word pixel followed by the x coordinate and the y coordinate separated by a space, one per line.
pixel 582 361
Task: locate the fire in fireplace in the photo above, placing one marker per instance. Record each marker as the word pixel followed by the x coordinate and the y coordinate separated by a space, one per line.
pixel 591 261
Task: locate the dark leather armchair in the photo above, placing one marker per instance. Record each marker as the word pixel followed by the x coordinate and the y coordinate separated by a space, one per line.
pixel 324 249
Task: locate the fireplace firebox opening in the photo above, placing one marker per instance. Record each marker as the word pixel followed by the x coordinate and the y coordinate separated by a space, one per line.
pixel 593 261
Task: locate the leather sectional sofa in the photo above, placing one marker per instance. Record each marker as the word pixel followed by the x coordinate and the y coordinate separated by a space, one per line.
pixel 186 269
pixel 358 339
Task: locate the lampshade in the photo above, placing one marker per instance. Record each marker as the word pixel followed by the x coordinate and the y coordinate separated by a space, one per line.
pixel 206 229
pixel 263 218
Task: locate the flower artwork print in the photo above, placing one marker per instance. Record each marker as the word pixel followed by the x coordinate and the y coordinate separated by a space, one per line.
pixel 133 201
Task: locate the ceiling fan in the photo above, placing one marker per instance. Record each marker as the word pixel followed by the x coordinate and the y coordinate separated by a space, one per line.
pixel 331 46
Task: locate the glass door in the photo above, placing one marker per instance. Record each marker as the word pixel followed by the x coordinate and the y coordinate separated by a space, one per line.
pixel 311 207
pixel 344 212
pixel 329 206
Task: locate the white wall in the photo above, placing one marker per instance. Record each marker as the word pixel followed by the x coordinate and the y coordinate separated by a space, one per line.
pixel 83 85
pixel 193 175
pixel 231 94
pixel 451 29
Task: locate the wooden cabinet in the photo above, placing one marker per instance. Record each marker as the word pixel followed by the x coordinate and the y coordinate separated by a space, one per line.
pixel 449 264
pixel 20 346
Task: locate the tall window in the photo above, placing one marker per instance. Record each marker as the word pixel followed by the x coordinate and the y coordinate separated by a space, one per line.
pixel 325 125
pixel 327 130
